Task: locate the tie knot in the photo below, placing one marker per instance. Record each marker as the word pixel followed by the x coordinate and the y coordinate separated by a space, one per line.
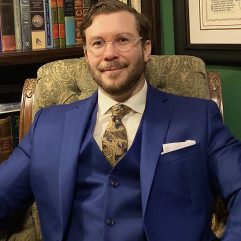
pixel 120 110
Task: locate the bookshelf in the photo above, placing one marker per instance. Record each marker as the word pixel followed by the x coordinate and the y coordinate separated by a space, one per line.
pixel 16 66
pixel 39 56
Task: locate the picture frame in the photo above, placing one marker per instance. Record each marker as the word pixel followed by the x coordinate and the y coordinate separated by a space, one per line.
pixel 211 52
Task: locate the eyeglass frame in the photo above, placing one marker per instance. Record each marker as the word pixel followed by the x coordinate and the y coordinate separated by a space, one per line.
pixel 113 42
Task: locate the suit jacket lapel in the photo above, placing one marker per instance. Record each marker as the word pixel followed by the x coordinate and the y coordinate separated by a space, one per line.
pixel 76 123
pixel 155 125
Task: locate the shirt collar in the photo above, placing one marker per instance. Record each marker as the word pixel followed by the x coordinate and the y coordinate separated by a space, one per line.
pixel 136 102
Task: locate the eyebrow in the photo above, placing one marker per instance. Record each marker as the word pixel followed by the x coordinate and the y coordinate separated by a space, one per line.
pixel 119 34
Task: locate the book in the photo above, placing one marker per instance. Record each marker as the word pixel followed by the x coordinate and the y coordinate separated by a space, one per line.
pixel 62 38
pixel 86 6
pixel 136 4
pixel 55 26
pixel 6 141
pixel 17 24
pixel 48 24
pixel 69 22
pixel 25 24
pixel 15 118
pixel 78 8
pixel 124 1
pixel 37 24
pixel 9 128
pixel 93 2
pixel 10 107
pixel 7 25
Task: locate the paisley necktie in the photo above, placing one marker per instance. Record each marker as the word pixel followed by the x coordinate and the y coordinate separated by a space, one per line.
pixel 115 142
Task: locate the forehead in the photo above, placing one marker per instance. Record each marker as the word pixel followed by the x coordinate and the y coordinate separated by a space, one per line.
pixel 111 24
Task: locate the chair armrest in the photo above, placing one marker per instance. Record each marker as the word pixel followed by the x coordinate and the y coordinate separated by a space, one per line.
pixel 26 106
pixel 214 82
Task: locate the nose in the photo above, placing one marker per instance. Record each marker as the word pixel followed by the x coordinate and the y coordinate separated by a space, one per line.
pixel 110 52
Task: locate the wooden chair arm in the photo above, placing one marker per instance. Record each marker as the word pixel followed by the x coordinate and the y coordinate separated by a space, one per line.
pixel 26 106
pixel 214 82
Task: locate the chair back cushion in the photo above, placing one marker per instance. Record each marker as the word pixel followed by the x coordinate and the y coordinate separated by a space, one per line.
pixel 68 80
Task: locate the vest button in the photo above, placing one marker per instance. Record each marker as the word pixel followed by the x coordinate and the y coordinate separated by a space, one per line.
pixel 114 183
pixel 110 221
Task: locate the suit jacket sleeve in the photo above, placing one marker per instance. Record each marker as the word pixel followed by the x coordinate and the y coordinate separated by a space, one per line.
pixel 15 187
pixel 224 155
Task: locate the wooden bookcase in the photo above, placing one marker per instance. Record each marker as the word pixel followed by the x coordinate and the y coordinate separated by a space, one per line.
pixel 16 66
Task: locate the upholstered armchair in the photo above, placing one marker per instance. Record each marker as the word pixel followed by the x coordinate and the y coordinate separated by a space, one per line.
pixel 68 80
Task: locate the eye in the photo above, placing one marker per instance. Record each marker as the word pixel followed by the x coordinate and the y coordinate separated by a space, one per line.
pixel 99 43
pixel 122 40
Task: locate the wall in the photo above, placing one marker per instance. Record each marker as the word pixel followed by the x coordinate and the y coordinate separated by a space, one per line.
pixel 230 75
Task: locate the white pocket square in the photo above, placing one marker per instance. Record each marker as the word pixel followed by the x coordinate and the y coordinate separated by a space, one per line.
pixel 176 146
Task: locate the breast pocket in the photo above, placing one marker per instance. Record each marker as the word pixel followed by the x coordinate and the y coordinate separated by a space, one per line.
pixel 180 155
pixel 181 180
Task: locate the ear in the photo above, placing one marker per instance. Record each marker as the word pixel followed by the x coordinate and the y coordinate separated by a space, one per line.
pixel 86 55
pixel 147 50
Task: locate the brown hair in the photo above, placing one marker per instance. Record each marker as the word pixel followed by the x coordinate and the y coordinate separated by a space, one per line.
pixel 113 6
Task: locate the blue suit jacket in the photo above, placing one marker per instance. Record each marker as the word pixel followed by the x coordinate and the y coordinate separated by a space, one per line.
pixel 176 188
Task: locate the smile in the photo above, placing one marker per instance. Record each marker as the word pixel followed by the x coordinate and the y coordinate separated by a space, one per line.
pixel 113 69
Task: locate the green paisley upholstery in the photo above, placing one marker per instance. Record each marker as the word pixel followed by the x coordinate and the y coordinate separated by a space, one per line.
pixel 31 230
pixel 68 80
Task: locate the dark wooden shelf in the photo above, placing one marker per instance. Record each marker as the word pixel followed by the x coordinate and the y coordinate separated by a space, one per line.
pixel 39 56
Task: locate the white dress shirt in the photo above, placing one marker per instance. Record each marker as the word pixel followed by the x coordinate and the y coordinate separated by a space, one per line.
pixel 131 121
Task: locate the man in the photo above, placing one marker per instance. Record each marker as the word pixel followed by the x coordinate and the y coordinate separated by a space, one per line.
pixel 100 169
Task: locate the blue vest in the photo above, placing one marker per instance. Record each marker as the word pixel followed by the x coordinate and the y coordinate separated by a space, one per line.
pixel 107 202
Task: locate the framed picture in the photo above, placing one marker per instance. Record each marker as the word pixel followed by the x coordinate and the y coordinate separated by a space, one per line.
pixel 209 29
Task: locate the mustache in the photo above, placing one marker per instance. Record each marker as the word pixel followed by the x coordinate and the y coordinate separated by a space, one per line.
pixel 112 65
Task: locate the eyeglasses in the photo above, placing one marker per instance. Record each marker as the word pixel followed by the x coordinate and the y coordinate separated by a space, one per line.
pixel 122 43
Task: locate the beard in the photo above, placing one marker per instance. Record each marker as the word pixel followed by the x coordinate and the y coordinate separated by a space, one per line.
pixel 119 87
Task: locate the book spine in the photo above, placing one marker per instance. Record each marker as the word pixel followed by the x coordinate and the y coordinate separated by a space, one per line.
pixel 136 4
pixel 93 2
pixel 48 24
pixel 69 21
pixel 15 118
pixel 17 24
pixel 6 141
pixel 62 38
pixel 78 8
pixel 25 24
pixel 10 107
pixel 125 1
pixel 7 25
pixel 37 24
pixel 86 6
pixel 55 26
